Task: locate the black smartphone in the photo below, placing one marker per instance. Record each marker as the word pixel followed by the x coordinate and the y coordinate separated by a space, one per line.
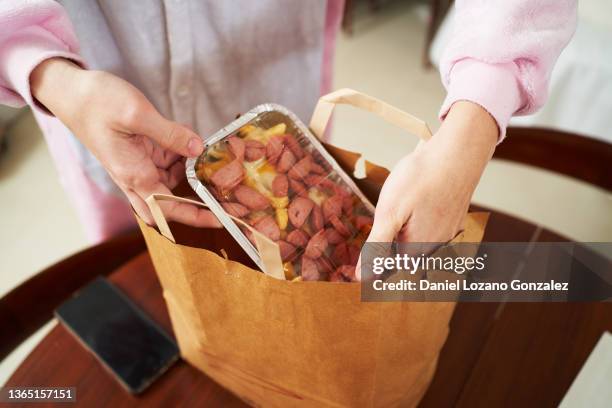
pixel 122 337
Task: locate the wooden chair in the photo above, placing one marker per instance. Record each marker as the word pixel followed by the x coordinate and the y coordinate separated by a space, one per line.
pixel 580 157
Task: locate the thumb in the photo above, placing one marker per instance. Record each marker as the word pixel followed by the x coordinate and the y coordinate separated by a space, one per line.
pixel 170 135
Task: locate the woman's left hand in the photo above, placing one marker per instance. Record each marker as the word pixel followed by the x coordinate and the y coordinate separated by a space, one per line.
pixel 426 196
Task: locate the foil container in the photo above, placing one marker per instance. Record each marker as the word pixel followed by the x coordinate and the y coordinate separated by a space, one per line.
pixel 266 116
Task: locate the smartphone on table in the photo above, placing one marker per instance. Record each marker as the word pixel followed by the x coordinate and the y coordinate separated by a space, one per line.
pixel 122 337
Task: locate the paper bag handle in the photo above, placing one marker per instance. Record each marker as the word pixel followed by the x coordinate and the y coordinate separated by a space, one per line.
pixel 268 250
pixel 346 96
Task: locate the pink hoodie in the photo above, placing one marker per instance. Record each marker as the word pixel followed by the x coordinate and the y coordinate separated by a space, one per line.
pixel 500 57
pixel 502 53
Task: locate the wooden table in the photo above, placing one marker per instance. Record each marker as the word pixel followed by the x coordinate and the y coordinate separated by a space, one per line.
pixel 514 354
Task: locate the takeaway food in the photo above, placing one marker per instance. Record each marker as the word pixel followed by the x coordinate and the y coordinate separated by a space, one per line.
pixel 279 182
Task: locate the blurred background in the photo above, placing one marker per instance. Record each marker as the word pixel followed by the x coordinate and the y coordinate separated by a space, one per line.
pixel 388 49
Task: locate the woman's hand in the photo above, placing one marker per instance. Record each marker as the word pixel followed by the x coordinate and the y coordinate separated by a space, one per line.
pixel 426 196
pixel 141 150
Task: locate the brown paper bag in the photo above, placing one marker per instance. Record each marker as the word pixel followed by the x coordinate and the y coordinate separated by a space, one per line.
pixel 278 343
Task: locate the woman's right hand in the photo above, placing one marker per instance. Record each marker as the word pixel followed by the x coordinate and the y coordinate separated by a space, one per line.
pixel 141 150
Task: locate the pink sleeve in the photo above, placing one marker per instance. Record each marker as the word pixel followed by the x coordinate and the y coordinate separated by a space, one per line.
pixel 30 32
pixel 502 53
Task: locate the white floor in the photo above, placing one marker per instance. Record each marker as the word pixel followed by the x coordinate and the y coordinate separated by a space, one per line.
pixel 382 58
pixel 591 388
pixel 39 226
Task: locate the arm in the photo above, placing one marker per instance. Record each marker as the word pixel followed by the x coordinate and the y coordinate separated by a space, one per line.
pixel 497 65
pixel 141 150
pixel 502 53
pixel 439 177
pixel 31 32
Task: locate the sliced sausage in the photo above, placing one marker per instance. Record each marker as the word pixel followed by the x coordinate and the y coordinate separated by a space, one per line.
pixel 294 146
pixel 330 185
pixel 354 253
pixel 343 190
pixel 254 150
pixel 228 176
pixel 333 236
pixel 332 207
pixel 297 187
pixel 280 186
pixel 310 272
pixel 299 210
pixel 363 222
pixel 347 205
pixel 341 254
pixel 215 192
pixel 324 265
pixel 317 169
pixel 301 168
pixel 251 198
pixel 268 227
pixel 286 161
pixel 347 271
pixel 316 218
pixel 336 277
pixel 235 209
pixel 256 216
pixel 316 246
pixel 274 148
pixel 313 180
pixel 298 238
pixel 237 147
pixel 340 226
pixel 287 251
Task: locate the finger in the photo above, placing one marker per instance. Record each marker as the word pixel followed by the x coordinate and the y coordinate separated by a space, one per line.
pixel 402 234
pixel 189 214
pixel 384 228
pixel 172 176
pixel 416 240
pixel 164 176
pixel 141 208
pixel 177 173
pixel 184 213
pixel 164 158
pixel 425 229
pixel 168 134
pixel 161 158
pixel 415 246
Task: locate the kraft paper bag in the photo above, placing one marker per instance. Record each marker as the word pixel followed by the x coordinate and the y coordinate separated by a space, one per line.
pixel 278 343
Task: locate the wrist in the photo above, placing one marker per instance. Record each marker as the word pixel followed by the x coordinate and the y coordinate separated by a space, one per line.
pixel 50 80
pixel 471 128
pixel 464 143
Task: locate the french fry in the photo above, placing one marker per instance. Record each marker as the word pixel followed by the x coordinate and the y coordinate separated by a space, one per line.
pixel 282 218
pixel 279 202
pixel 289 271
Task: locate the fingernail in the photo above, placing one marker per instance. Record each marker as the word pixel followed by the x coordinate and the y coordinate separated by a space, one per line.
pixel 195 146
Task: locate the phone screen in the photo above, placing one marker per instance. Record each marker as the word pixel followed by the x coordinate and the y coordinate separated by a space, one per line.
pixel 121 336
